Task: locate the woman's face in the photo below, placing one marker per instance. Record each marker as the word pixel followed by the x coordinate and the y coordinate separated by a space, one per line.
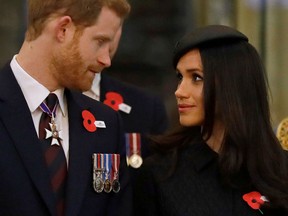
pixel 189 93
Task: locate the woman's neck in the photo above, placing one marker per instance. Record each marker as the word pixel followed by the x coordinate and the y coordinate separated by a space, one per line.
pixel 216 138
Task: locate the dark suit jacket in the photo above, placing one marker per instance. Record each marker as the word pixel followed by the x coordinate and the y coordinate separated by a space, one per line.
pixel 148 114
pixel 24 182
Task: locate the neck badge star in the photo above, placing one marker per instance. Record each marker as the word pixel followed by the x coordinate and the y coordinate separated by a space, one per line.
pixel 54 133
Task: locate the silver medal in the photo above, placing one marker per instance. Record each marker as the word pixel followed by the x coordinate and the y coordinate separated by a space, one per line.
pixel 135 161
pixel 116 186
pixel 98 185
pixel 107 186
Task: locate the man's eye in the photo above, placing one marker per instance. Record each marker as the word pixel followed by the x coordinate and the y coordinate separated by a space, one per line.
pixel 100 42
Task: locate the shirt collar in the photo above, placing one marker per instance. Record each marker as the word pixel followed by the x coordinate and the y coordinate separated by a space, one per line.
pixel 34 92
pixel 96 84
pixel 94 92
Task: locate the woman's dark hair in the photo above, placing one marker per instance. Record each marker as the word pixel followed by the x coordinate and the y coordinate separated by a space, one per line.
pixel 236 91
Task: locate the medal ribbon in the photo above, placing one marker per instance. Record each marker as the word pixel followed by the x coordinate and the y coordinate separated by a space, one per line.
pixel 102 165
pixel 94 165
pixel 107 158
pixel 127 140
pixel 45 109
pixel 99 162
pixel 115 165
pixel 135 143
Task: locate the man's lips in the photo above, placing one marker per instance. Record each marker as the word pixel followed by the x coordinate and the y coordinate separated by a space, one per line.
pixel 94 71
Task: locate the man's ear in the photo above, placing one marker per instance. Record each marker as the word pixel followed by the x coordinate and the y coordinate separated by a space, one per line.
pixel 64 27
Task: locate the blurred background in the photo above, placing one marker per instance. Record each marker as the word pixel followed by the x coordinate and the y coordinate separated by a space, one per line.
pixel 145 52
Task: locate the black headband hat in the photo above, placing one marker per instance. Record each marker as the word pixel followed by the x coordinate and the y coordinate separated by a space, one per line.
pixel 205 35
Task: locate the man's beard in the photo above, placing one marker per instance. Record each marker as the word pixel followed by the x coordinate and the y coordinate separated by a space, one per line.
pixel 68 68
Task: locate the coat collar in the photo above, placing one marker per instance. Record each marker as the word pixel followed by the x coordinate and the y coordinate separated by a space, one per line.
pixel 201 155
pixel 16 117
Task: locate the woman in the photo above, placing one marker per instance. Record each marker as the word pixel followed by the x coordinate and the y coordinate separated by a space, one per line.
pixel 225 159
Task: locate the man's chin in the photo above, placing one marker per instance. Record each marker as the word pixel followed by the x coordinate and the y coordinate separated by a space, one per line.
pixel 87 86
pixel 83 87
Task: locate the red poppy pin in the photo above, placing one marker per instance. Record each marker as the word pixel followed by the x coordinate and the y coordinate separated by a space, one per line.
pixel 255 200
pixel 89 121
pixel 113 99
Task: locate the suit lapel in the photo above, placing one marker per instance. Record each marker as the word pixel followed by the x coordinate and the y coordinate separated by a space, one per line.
pixel 16 117
pixel 79 160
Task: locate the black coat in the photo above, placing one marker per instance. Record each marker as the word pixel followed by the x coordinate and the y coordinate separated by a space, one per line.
pixel 24 183
pixel 194 189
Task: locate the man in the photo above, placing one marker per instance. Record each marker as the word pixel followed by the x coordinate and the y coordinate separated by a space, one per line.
pixel 66 44
pixel 143 114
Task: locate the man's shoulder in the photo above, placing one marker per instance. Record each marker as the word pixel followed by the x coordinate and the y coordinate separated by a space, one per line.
pixel 125 88
pixel 85 101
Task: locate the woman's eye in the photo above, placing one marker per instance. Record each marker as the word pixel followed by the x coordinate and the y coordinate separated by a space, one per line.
pixel 197 78
pixel 179 76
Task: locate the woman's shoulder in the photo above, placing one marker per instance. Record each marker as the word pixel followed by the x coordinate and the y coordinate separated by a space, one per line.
pixel 163 163
pixel 158 162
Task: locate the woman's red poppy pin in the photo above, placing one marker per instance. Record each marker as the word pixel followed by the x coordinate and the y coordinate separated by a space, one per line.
pixel 255 200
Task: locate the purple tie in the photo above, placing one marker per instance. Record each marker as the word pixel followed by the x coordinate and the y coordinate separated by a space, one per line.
pixel 54 154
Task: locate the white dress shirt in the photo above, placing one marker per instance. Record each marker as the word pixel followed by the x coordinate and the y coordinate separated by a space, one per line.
pixel 94 92
pixel 35 93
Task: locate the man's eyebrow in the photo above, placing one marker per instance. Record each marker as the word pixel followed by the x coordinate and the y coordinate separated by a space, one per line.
pixel 102 37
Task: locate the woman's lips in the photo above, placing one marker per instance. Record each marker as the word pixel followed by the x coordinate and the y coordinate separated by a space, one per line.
pixel 184 107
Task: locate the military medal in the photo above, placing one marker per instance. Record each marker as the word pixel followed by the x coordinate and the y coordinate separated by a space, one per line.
pixel 116 186
pixel 107 182
pixel 54 133
pixel 115 173
pixel 133 149
pixel 98 183
pixel 107 186
pixel 135 160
